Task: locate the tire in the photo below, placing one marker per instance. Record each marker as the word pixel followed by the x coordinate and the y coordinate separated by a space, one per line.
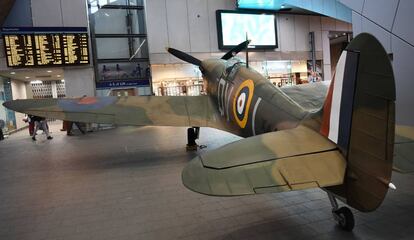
pixel 345 218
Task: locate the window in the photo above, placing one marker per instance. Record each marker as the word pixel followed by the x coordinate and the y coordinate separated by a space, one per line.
pixel 119 41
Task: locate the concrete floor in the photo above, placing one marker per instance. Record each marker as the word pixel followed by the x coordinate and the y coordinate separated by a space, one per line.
pixel 125 183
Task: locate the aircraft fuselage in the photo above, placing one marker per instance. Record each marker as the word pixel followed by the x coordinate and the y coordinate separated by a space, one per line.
pixel 249 103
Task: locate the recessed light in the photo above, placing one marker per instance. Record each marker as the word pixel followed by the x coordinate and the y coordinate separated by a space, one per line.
pixel 57 75
pixel 12 73
pixel 49 71
pixel 27 77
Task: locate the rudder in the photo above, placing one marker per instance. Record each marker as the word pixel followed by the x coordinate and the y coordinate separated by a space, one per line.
pixel 359 116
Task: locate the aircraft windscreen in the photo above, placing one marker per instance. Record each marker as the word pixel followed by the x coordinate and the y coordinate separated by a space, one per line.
pixel 232 65
pixel 233 61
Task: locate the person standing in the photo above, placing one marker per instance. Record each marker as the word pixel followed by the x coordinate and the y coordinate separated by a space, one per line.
pixel 69 125
pixel 40 123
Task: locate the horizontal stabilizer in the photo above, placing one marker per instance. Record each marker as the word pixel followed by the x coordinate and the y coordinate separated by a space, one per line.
pixel 280 161
pixel 139 111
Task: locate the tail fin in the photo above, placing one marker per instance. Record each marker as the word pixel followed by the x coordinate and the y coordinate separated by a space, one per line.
pixel 359 116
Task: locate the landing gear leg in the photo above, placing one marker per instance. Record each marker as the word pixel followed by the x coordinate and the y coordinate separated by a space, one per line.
pixel 343 216
pixel 192 135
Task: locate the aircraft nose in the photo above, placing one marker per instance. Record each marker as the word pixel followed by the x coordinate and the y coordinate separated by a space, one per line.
pixel 212 67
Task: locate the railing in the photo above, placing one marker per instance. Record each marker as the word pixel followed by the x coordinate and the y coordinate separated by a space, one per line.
pixel 185 90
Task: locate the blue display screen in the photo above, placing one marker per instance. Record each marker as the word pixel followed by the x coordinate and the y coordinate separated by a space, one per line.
pixel 234 27
pixel 260 4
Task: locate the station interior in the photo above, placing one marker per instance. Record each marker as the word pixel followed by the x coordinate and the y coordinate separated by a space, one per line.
pixel 126 180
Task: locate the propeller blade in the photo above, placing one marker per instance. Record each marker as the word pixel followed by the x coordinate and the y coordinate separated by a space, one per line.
pixel 233 52
pixel 184 56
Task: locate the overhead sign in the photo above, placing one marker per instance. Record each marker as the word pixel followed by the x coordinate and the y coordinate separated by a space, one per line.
pixel 120 83
pixel 45 46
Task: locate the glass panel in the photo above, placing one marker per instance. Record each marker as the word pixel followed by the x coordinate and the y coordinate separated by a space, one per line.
pixel 110 48
pixel 102 3
pixel 123 71
pixel 185 87
pixel 6 115
pixel 119 21
pixel 315 76
pixel 279 72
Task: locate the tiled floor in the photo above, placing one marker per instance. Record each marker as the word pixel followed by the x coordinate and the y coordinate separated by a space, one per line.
pixel 125 183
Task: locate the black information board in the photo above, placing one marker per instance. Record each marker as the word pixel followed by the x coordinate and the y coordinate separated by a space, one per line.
pixel 30 47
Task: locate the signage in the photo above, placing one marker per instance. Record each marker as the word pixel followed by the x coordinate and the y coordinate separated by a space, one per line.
pixel 30 47
pixel 119 84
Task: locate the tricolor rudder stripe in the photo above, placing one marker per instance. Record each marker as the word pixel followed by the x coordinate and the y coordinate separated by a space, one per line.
pixel 338 107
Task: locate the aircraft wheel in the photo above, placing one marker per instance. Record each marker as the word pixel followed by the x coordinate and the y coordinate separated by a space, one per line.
pixel 345 218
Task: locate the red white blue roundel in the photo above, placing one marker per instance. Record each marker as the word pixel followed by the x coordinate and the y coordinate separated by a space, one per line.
pixel 242 101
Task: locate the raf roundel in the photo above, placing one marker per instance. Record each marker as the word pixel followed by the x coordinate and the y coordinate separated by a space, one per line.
pixel 242 101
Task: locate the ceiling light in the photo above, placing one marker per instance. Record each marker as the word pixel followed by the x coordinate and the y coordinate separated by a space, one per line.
pixel 49 71
pixel 27 77
pixel 57 75
pixel 63 80
pixel 12 73
pixel 36 81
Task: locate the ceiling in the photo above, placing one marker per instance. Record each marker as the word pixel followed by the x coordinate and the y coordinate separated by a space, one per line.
pixel 331 8
pixel 27 75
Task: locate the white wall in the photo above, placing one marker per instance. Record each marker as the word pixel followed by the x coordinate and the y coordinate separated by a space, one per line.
pixel 190 26
pixel 59 13
pixel 391 22
pixel 19 92
pixel 79 82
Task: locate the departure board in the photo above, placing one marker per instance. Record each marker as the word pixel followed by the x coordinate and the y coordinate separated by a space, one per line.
pixel 19 50
pixel 45 47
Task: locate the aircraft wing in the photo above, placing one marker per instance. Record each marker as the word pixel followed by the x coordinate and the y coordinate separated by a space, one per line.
pixel 404 149
pixel 142 110
pixel 280 161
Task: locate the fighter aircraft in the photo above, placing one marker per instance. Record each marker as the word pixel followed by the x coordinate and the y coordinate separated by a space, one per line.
pixel 295 138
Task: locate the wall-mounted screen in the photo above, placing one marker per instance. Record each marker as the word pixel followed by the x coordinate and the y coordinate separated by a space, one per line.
pixel 234 26
pixel 30 47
